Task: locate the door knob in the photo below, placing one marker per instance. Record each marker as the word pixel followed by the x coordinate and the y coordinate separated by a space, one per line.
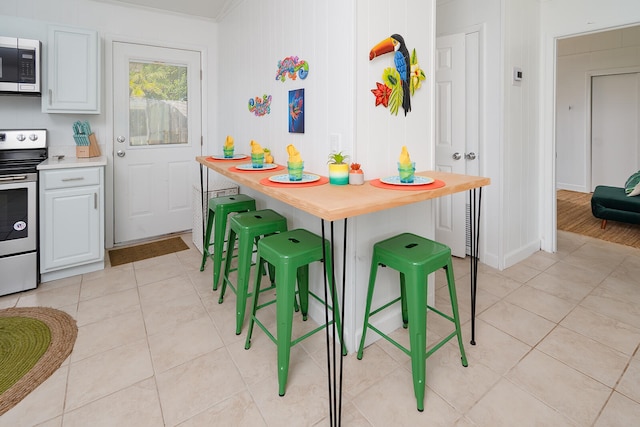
pixel 120 153
pixel 120 139
pixel 456 156
pixel 470 156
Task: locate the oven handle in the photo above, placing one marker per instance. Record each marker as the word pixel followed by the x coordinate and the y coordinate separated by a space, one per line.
pixel 13 178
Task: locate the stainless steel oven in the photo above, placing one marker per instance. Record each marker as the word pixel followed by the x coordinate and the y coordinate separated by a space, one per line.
pixel 20 153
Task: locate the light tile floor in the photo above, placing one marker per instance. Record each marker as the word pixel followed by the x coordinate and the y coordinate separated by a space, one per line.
pixel 557 345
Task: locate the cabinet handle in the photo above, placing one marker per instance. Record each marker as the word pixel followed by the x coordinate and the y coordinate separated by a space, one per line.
pixel 80 178
pixel 95 200
pixel 50 97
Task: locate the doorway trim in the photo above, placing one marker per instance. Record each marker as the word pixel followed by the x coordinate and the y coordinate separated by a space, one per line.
pixel 109 39
pixel 547 126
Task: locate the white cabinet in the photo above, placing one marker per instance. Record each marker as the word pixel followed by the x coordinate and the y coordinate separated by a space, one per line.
pixel 71 221
pixel 73 71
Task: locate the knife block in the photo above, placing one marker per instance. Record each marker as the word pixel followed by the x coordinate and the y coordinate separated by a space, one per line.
pixel 91 150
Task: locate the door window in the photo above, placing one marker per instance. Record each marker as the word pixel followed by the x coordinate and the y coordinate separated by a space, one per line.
pixel 158 112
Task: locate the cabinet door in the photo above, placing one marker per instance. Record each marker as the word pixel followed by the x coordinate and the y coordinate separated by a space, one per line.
pixel 73 71
pixel 71 227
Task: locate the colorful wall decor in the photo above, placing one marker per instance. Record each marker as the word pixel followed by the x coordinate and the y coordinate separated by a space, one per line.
pixel 296 111
pixel 401 82
pixel 260 106
pixel 292 67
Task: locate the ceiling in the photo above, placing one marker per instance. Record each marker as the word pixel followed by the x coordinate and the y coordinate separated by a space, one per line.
pixel 207 9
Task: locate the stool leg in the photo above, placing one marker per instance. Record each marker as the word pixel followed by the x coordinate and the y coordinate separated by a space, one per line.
pixel 218 247
pixel 207 240
pixel 254 307
pixel 372 280
pixel 227 264
pixel 303 290
pixel 245 249
pixel 284 313
pixel 417 306
pixel 454 307
pixel 403 300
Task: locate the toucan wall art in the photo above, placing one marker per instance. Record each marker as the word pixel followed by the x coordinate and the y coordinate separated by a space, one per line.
pixel 399 83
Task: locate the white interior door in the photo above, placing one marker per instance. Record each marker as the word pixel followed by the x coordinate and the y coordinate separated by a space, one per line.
pixel 157 132
pixel 450 138
pixel 615 146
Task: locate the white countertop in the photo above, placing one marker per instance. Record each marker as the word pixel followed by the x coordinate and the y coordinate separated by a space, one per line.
pixel 72 162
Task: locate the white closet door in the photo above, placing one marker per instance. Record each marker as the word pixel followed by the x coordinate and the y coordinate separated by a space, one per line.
pixel 615 152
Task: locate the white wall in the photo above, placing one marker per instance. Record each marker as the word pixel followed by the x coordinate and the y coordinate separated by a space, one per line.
pixel 335 38
pixel 521 148
pixel 254 37
pixel 380 136
pixel 111 21
pixel 562 18
pixel 508 142
pixel 577 59
pixel 466 16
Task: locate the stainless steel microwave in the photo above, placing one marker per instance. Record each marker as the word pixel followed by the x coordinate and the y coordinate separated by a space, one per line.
pixel 19 66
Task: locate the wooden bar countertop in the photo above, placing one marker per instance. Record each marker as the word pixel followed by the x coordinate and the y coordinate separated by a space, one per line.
pixel 335 202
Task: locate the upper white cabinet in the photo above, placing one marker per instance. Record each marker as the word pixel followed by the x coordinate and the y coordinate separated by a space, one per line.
pixel 73 71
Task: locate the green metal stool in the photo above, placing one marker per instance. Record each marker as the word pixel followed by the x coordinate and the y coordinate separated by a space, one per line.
pixel 291 253
pixel 221 207
pixel 415 258
pixel 248 227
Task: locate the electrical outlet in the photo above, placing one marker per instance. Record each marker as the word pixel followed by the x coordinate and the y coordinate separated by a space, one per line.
pixel 517 76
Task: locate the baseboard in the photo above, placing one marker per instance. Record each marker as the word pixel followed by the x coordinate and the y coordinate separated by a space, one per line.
pixel 522 253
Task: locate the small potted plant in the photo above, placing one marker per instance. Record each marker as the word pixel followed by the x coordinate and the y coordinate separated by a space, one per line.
pixel 338 168
pixel 356 175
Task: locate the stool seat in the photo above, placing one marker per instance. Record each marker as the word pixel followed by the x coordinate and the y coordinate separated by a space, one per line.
pixel 290 253
pixel 248 227
pixel 414 257
pixel 220 208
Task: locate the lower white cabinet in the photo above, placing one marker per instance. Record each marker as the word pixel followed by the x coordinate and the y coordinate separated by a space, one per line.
pixel 71 221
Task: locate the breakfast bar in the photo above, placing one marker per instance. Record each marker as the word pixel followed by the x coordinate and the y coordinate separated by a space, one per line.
pixel 332 203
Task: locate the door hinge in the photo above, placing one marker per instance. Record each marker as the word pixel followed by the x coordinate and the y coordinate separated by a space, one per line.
pixel 201 140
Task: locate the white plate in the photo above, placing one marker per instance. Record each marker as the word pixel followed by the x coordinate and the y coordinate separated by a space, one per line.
pixel 235 157
pixel 284 179
pixel 418 180
pixel 249 167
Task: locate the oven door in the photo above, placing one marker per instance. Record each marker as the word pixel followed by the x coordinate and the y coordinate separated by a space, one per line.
pixel 18 220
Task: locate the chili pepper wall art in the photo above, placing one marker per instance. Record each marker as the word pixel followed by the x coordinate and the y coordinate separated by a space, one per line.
pixel 292 67
pixel 260 106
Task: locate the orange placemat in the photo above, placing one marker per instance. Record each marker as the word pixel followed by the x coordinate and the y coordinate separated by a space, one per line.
pixel 266 182
pixel 235 169
pixel 435 184
pixel 212 159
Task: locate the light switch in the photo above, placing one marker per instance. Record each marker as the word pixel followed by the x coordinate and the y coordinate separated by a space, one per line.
pixel 334 142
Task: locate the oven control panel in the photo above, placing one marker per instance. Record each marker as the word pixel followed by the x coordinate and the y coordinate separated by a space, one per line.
pixel 21 139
